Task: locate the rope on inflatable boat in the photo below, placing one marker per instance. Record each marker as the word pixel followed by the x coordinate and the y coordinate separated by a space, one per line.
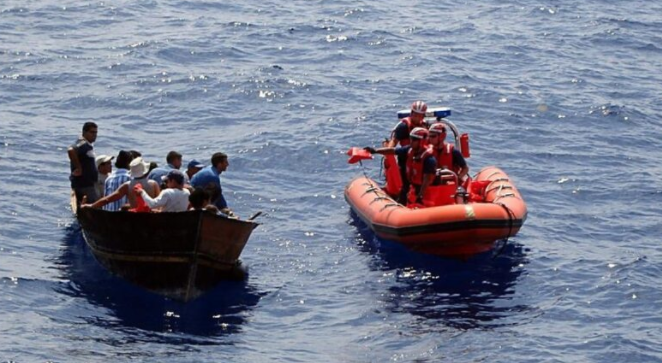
pixel 511 221
pixel 372 188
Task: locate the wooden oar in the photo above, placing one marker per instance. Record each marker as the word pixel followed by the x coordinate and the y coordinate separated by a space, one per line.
pixel 257 214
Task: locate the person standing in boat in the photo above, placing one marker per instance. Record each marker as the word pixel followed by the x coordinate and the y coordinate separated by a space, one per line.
pixel 84 173
pixel 448 157
pixel 172 199
pixel 420 163
pixel 212 175
pixel 400 136
pixel 104 168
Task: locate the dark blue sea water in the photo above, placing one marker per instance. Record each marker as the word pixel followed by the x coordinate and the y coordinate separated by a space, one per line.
pixel 565 96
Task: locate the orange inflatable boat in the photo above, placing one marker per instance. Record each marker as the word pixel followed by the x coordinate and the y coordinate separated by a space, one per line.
pixel 494 211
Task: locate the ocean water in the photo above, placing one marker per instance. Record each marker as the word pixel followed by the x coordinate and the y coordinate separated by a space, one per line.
pixel 566 97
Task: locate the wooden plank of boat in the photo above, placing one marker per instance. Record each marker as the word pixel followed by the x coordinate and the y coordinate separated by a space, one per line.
pixel 179 255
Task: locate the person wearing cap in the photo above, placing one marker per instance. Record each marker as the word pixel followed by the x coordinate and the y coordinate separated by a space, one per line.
pixel 174 162
pixel 400 136
pixel 84 173
pixel 138 176
pixel 117 178
pixel 193 167
pixel 172 199
pixel 104 168
pixel 421 166
pixel 448 157
pixel 211 176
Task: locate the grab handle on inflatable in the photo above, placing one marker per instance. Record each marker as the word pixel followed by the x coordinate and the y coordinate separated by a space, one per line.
pixel 447 175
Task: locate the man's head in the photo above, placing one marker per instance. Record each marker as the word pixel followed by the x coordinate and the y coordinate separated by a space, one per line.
pixel 193 167
pixel 123 159
pixel 199 198
pixel 220 161
pixel 419 138
pixel 418 110
pixel 138 167
pixel 437 134
pixel 174 179
pixel 104 165
pixel 90 131
pixel 175 159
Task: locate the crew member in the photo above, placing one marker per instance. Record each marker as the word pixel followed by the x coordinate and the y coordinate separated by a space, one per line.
pixel 400 136
pixel 448 157
pixel 419 162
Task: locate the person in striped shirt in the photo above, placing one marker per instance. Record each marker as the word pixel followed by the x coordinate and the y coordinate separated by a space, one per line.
pixel 118 177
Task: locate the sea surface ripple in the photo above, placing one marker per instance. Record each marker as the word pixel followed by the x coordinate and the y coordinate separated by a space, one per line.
pixel 565 96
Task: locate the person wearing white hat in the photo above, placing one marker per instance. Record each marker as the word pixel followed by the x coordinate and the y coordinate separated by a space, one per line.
pixel 139 175
pixel 104 168
pixel 138 170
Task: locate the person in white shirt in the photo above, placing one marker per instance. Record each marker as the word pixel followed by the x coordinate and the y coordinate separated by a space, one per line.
pixel 172 199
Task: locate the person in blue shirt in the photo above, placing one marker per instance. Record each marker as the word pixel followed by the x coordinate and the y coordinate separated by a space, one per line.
pixel 174 160
pixel 84 173
pixel 212 175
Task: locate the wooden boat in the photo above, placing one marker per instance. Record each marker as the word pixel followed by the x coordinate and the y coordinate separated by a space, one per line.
pixel 455 229
pixel 179 255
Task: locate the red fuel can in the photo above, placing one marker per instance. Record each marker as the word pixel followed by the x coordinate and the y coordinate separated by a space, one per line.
pixel 464 143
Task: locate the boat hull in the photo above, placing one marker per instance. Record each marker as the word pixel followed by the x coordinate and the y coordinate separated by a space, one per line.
pixel 456 230
pixel 179 255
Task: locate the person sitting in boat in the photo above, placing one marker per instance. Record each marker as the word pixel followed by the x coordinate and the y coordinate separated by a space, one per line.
pixel 174 162
pixel 420 162
pixel 138 173
pixel 212 175
pixel 116 179
pixel 400 136
pixel 104 168
pixel 193 168
pixel 172 199
pixel 448 157
pixel 200 199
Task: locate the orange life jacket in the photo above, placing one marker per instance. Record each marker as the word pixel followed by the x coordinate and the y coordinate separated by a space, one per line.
pixel 444 158
pixel 415 165
pixel 406 121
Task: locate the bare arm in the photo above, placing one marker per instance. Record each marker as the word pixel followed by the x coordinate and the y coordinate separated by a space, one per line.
pixel 462 174
pixel 427 180
pixel 115 196
pixel 156 189
pixel 73 157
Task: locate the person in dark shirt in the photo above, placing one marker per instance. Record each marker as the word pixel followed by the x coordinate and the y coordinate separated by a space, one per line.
pixel 419 162
pixel 400 136
pixel 84 173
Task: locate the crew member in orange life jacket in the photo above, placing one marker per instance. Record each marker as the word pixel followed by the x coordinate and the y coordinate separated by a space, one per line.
pixel 400 136
pixel 419 161
pixel 448 157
